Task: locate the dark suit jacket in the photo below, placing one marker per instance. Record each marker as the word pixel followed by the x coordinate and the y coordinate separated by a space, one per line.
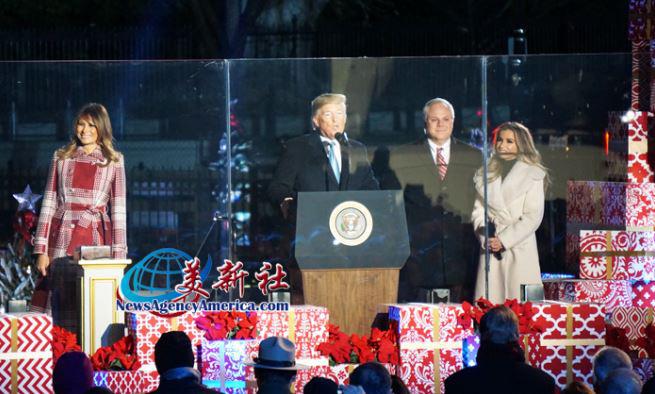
pixel 443 246
pixel 304 167
pixel 500 369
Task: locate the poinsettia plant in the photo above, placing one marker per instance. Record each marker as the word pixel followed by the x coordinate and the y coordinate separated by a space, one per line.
pixel 524 312
pixel 647 342
pixel 121 356
pixel 228 325
pixel 341 348
pixel 617 337
pixel 63 341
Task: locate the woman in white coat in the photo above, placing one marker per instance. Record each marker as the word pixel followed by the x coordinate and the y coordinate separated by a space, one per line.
pixel 515 198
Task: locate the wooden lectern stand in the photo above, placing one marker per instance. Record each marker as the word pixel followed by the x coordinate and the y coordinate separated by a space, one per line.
pixel 351 295
pixel 100 284
pixel 344 268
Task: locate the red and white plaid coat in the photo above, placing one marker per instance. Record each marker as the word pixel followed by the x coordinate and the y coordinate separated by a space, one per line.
pixel 74 211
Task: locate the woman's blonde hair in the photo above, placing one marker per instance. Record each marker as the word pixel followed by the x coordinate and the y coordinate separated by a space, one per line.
pixel 527 152
pixel 100 117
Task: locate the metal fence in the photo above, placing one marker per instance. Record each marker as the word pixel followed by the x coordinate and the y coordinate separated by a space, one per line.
pixel 95 44
pixel 398 39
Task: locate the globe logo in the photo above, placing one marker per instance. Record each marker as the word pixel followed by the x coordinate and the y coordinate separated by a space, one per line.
pixel 157 274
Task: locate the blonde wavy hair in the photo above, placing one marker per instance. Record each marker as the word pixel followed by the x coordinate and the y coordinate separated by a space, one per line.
pixel 100 117
pixel 527 152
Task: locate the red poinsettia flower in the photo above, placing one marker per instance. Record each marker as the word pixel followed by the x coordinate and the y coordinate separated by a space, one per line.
pixel 524 312
pixel 341 348
pixel 484 304
pixel 228 325
pixel 101 359
pixel 647 342
pixel 63 341
pixel 649 331
pixel 361 349
pixel 388 352
pixel 117 357
pixel 618 338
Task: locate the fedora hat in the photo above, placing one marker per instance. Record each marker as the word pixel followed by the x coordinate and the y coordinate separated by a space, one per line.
pixel 277 353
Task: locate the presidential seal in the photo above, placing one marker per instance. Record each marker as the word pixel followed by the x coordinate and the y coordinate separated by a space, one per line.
pixel 351 223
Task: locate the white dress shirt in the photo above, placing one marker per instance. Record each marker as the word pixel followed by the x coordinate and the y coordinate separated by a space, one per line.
pixel 445 152
pixel 336 147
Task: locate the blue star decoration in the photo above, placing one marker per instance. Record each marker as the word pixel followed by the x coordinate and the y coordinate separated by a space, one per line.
pixel 27 199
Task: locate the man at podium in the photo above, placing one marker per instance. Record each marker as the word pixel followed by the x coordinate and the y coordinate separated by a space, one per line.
pixel 323 160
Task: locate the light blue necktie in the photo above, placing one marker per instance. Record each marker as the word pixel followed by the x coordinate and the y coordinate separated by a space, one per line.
pixel 333 161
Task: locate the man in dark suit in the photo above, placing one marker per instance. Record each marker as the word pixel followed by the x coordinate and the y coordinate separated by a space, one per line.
pixel 324 160
pixel 436 175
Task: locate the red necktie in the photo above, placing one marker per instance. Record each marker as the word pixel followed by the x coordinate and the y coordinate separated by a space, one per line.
pixel 441 164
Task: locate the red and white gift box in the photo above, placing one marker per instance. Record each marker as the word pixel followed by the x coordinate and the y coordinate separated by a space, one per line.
pixel 624 255
pixel 643 294
pixel 640 206
pixel 615 205
pixel 127 382
pixel 146 328
pixel 596 203
pixel 639 170
pixel 305 325
pixel 25 353
pixel 573 333
pixel 611 293
pixel 634 320
pixel 223 363
pixel 430 342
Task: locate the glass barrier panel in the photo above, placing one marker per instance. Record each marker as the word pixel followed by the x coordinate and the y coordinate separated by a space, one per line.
pixel 169 123
pixel 575 108
pixel 277 134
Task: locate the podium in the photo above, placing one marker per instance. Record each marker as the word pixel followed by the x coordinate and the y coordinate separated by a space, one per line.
pixel 350 246
pixel 99 317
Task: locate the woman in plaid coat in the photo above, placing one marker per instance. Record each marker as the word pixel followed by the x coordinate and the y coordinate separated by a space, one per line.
pixel 83 204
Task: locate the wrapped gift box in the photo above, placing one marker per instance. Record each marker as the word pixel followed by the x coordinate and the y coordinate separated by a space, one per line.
pixel 592 205
pixel 573 333
pixel 430 342
pixel 305 325
pixel 25 353
pixel 611 293
pixel 643 294
pixel 609 205
pixel 223 363
pixel 622 255
pixel 470 347
pixel 146 328
pixel 639 171
pixel 596 203
pixel 127 382
pixel 640 203
pixel 634 320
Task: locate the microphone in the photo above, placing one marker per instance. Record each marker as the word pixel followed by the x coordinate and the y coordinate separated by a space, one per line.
pixel 492 233
pixel 342 138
